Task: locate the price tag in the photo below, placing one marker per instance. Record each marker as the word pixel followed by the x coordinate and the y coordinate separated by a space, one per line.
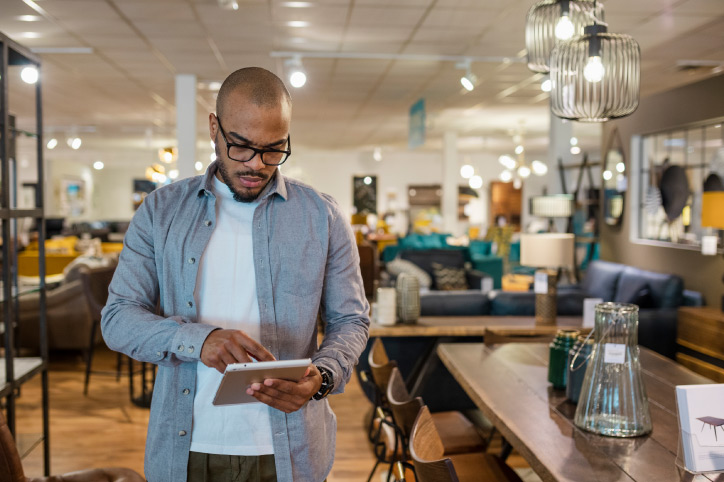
pixel 708 245
pixel 589 311
pixel 540 286
pixel 614 353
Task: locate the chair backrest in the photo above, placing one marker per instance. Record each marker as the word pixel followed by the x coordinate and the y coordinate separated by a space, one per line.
pixel 11 468
pixel 493 336
pixel 380 366
pixel 427 451
pixel 95 286
pixel 404 408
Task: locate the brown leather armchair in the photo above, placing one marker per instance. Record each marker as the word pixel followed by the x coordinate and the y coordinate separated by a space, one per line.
pixel 11 468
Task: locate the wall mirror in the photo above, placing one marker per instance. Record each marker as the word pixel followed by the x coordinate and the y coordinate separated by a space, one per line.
pixel 615 180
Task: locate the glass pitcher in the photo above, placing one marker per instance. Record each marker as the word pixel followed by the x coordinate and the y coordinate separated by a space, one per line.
pixel 613 399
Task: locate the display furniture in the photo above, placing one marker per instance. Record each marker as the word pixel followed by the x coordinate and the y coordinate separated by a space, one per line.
pixel 14 370
pixel 700 341
pixel 508 383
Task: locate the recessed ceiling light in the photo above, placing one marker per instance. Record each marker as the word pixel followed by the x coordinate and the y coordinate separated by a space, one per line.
pixel 297 23
pixel 296 4
pixel 98 165
pixel 29 18
pixel 30 35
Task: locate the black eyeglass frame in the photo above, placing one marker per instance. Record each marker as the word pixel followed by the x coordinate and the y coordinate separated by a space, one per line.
pixel 261 152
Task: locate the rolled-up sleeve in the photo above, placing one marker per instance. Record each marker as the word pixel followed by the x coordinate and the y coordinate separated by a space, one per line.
pixel 344 307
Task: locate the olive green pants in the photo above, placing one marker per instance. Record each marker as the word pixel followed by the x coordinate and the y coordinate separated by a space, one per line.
pixel 230 468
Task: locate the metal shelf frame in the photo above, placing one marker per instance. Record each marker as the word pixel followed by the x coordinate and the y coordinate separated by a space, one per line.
pixel 19 370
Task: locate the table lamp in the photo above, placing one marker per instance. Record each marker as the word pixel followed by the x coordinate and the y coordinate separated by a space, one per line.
pixel 548 252
pixel 712 214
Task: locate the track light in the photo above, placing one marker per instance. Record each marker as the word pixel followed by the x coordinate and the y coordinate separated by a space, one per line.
pixel 52 143
pixel 297 76
pixel 469 80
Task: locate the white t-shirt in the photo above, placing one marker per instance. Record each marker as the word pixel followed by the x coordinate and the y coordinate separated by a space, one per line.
pixel 225 296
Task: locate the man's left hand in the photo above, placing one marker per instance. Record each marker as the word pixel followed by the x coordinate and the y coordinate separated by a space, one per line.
pixel 285 395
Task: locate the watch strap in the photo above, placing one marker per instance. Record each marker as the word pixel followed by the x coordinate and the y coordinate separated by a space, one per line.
pixel 327 384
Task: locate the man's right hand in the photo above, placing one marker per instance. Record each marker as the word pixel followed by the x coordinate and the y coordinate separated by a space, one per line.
pixel 223 347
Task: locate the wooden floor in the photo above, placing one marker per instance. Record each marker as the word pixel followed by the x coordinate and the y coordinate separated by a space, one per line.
pixel 105 429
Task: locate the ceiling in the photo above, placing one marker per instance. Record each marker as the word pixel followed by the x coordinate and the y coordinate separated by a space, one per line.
pixel 121 95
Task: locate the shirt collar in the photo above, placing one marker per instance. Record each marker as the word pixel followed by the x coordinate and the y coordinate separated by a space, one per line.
pixel 278 185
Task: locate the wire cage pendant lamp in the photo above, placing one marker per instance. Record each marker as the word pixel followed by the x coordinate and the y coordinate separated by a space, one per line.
pixel 550 22
pixel 595 77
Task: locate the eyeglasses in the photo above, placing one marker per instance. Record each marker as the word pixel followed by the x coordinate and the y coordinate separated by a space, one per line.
pixel 245 153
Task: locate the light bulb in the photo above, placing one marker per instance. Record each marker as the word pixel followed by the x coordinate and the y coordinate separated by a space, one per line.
pixel 377 154
pixel 198 165
pixel 607 175
pixel 524 172
pixel 467 171
pixel 574 141
pixel 173 173
pixel 539 168
pixel 620 167
pixel 575 150
pixel 519 149
pixel 52 143
pixel 546 85
pixel 29 75
pixel 517 183
pixel 298 79
pixel 167 156
pixel 467 83
pixel 368 180
pixel 476 182
pixel 564 28
pixel 507 161
pixel 75 143
pixel 593 71
pixel 98 165
pixel 506 176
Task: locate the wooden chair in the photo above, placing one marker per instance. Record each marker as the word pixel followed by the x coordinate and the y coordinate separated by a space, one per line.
pixel 11 468
pixel 431 464
pixel 457 433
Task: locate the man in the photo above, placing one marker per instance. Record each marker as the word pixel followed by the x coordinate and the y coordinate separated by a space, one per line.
pixel 232 266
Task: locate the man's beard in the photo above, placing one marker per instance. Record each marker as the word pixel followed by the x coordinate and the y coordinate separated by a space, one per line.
pixel 239 196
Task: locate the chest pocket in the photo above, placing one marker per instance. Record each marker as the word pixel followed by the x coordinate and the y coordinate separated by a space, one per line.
pixel 300 269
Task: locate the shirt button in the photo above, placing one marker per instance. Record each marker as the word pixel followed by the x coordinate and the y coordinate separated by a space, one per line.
pixel 190 349
pixel 192 260
pixel 186 391
pixel 207 222
pixel 190 304
pixel 181 348
pixel 182 433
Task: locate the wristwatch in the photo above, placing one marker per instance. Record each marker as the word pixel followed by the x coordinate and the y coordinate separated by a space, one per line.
pixel 327 383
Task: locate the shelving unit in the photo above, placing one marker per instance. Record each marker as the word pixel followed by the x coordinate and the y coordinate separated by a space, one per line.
pixel 15 371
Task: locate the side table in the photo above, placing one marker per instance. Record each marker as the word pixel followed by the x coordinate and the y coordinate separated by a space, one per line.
pixel 700 340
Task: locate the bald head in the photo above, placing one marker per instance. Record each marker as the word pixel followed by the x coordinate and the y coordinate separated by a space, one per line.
pixel 258 85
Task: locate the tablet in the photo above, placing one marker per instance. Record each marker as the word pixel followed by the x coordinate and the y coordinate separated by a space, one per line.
pixel 238 377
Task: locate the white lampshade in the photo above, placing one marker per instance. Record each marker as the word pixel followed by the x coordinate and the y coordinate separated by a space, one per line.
pixel 546 250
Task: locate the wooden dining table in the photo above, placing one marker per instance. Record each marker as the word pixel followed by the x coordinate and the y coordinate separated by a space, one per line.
pixel 509 384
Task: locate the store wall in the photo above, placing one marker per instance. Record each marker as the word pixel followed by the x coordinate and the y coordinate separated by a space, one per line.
pixel 692 103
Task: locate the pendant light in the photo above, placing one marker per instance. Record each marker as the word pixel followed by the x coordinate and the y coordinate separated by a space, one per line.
pixel 553 21
pixel 596 76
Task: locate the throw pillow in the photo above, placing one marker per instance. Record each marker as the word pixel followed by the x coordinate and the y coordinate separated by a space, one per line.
pixel 398 266
pixel 448 278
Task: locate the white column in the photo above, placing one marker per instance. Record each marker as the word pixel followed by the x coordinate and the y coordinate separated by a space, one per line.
pixel 186 124
pixel 559 146
pixel 450 173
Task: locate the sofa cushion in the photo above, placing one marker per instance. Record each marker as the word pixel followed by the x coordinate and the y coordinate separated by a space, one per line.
pixel 425 258
pixel 449 278
pixel 601 278
pixel 398 266
pixel 666 290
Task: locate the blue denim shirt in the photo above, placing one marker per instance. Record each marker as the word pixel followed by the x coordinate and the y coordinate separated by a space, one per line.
pixel 306 263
